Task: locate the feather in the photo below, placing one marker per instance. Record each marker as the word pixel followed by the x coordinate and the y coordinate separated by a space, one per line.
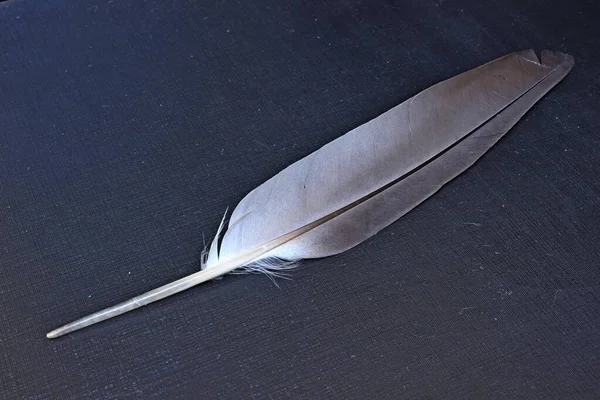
pixel 356 185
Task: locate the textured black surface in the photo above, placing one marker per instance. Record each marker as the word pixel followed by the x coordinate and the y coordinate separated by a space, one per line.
pixel 127 127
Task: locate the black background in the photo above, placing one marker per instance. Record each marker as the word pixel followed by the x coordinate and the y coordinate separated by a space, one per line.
pixel 127 128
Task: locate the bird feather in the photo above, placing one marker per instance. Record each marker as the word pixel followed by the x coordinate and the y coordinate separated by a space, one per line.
pixel 356 185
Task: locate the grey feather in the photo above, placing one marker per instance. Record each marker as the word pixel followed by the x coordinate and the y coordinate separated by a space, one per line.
pixel 353 187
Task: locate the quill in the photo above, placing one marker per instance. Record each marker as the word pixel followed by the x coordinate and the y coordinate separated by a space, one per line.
pixel 358 184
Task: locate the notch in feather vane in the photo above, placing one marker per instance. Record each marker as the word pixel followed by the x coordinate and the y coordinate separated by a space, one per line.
pixel 356 185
